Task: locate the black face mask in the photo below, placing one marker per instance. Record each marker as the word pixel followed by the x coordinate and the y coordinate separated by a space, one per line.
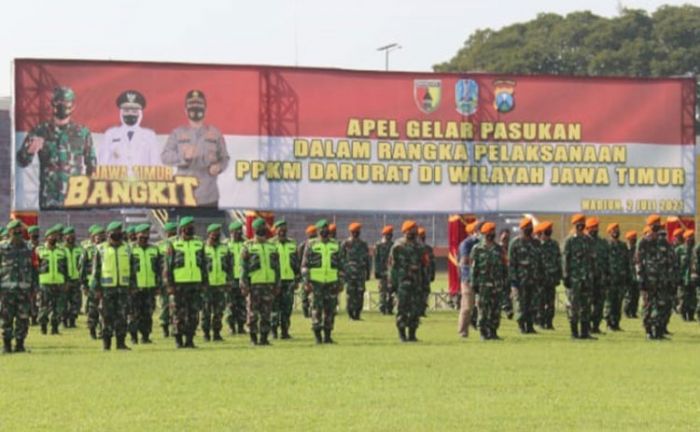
pixel 116 236
pixel 130 119
pixel 61 111
pixel 324 232
pixel 527 231
pixel 189 231
pixel 411 236
pixel 216 237
pixel 355 234
pixel 491 236
pixel 548 233
pixel 195 113
pixel 615 235
pixel 593 234
pixel 656 228
pixel 52 241
pixel 579 227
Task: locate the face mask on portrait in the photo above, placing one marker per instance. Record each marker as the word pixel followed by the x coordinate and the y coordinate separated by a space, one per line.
pixel 195 113
pixel 62 111
pixel 130 119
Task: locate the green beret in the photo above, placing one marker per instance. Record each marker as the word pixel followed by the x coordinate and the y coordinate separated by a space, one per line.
pixel 170 226
pixel 322 223
pixel 33 229
pixel 14 224
pixel 186 221
pixel 213 227
pixel 257 223
pixel 114 225
pixel 97 230
pixel 279 223
pixel 129 229
pixel 58 226
pixel 235 225
pixel 68 230
pixel 141 228
pixel 53 230
pixel 3 231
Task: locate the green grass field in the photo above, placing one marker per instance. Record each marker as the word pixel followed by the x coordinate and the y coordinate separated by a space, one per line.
pixel 368 381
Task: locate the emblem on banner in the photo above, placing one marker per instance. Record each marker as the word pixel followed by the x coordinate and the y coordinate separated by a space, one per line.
pixel 466 96
pixel 427 94
pixel 503 98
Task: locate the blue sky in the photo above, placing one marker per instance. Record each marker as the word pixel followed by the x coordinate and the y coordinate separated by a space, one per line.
pixel 293 32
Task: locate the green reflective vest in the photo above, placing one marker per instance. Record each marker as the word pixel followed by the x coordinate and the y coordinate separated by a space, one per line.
pixel 286 250
pixel 73 258
pixel 264 273
pixel 49 272
pixel 186 260
pixel 235 247
pixel 216 276
pixel 327 272
pixel 115 270
pixel 146 271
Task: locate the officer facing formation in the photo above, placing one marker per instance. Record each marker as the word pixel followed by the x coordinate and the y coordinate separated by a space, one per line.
pixel 357 265
pixel 74 299
pixel 311 233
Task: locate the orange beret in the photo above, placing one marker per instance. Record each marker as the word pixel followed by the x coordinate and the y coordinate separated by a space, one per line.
pixel 387 230
pixel 311 229
pixel 677 232
pixel 688 234
pixel 408 225
pixel 592 222
pixel 525 222
pixel 488 227
pixel 577 219
pixel 612 226
pixel 470 227
pixel 354 226
pixel 421 231
pixel 543 226
pixel 653 219
pixel 629 235
pixel 331 227
pixel 646 230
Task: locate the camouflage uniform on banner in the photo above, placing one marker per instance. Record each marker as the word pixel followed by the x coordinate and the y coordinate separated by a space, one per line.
pixel 17 277
pixel 552 265
pixel 74 297
pixel 112 279
pixel 184 272
pixel 53 275
pixel 619 277
pixel 260 281
pixel 289 277
pixel 170 229
pixel 631 301
pixel 85 265
pixel 686 290
pixel 486 278
pixel 357 265
pixel 236 313
pixel 219 266
pixel 578 277
pixel 146 268
pixel 525 270
pixel 381 256
pixel 64 149
pixel 407 265
pixel 311 233
pixel 429 270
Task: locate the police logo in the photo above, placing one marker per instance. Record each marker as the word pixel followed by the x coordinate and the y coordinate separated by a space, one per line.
pixel 427 94
pixel 503 98
pixel 466 96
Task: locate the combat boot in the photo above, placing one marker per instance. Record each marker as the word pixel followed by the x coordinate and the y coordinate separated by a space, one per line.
pixel 178 341
pixel 93 333
pixel 574 330
pixel 106 343
pixel 402 334
pixel 44 328
pixel 207 337
pixel 189 341
pixel 263 338
pixel 412 334
pixel 6 346
pixel 595 327
pixel 327 336
pixel 19 346
pixel 523 327
pixel 586 331
pixel 493 334
pixel 530 328
pixel 484 333
pixel 317 335
pixel 121 343
pixel 54 329
pixel 285 332
pixel 146 338
pixel 71 322
pixel 166 330
pixel 241 328
pixel 274 332
pixel 134 338
pixel 217 336
pixel 253 338
pixel 550 323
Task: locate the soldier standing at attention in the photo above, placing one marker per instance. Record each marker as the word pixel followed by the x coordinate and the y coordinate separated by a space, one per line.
pixel 652 269
pixel 185 271
pixel 53 275
pixel 236 307
pixel 486 278
pixel 619 277
pixel 430 270
pixel 74 298
pixel 17 278
pixel 198 150
pixel 170 229
pixel 33 244
pixel 578 273
pixel 601 274
pixel 687 296
pixel 322 274
pixel 97 236
pixel 506 301
pixel 525 262
pixel 289 277
pixel 357 265
pixel 260 281
pixel 145 262
pixel 631 303
pixel 381 255
pixel 552 263
pixel 311 233
pixel 112 280
pixel 64 149
pixel 407 265
pixel 219 266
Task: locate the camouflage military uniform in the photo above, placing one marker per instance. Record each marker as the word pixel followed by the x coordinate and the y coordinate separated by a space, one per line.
pixel 163 295
pixel 85 265
pixel 552 265
pixel 695 277
pixel 381 257
pixel 68 150
pixel 652 264
pixel 525 270
pixel 671 281
pixel 259 296
pixel 686 289
pixel 486 278
pixel 601 279
pixel 289 277
pixel 578 273
pixel 406 266
pixel 429 277
pixel 236 303
pixel 17 277
pixel 214 295
pixel 356 264
pixel 74 297
pixel 631 302
pixel 619 279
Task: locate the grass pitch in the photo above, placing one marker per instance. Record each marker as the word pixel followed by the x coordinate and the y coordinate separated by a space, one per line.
pixel 368 381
